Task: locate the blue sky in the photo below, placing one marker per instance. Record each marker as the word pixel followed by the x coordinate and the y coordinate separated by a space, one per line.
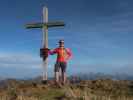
pixel 99 32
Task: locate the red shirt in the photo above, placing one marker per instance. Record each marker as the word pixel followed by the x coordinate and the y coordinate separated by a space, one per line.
pixel 63 54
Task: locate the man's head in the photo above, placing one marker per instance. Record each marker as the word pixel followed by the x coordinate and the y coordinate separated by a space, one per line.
pixel 61 43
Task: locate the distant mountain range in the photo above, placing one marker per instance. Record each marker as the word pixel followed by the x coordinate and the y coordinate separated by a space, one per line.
pixel 85 76
pixel 92 76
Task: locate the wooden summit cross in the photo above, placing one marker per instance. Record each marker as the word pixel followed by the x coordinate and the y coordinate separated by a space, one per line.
pixel 44 26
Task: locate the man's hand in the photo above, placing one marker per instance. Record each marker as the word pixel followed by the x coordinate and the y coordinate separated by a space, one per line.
pixel 44 53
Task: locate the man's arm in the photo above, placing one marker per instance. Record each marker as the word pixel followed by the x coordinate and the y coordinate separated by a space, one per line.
pixel 51 52
pixel 69 54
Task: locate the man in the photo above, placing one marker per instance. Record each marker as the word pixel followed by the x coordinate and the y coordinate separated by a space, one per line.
pixel 63 55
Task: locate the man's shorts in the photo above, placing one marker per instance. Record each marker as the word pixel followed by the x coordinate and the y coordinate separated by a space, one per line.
pixel 61 65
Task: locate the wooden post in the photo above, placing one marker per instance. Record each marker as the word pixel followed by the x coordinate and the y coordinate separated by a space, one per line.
pixel 45 42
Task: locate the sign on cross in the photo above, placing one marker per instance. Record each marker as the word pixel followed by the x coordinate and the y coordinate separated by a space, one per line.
pixel 44 26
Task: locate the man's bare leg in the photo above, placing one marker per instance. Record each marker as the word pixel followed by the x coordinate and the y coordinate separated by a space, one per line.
pixel 64 77
pixel 60 75
pixel 57 77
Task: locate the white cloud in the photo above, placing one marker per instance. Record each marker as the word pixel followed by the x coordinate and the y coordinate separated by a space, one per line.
pixel 20 65
pixel 19 60
pixel 101 67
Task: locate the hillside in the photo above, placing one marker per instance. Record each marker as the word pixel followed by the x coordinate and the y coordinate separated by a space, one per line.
pixel 84 90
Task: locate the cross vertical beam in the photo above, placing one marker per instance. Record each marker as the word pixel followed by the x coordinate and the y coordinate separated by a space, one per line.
pixel 45 41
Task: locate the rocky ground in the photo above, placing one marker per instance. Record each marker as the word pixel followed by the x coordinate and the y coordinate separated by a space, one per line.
pixel 82 90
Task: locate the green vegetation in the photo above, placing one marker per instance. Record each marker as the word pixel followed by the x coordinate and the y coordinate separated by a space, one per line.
pixel 84 90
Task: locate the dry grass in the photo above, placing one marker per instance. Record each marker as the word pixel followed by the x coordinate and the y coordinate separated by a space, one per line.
pixel 77 94
pixel 85 90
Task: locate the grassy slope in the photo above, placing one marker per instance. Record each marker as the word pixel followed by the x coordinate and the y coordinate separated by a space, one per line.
pixel 85 90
